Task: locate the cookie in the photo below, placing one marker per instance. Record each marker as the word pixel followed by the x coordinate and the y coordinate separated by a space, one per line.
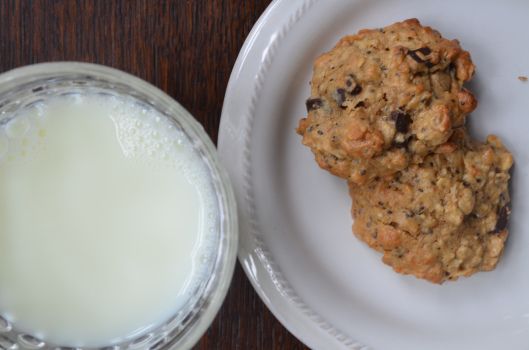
pixel 443 218
pixel 382 99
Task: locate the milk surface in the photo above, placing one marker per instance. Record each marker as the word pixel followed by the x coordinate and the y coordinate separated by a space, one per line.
pixel 106 219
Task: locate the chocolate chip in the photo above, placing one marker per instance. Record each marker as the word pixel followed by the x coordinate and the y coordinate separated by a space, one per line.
pixel 423 50
pixel 402 121
pixel 313 103
pixel 360 104
pixel 503 218
pixel 352 85
pixel 395 114
pixel 357 89
pixel 415 57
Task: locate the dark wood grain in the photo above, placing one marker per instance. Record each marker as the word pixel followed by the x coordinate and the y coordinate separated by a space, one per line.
pixel 185 47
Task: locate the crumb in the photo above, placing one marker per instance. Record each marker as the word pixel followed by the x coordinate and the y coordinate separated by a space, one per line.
pixel 523 78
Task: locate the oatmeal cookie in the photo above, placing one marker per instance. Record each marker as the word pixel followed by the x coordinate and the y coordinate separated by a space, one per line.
pixel 382 99
pixel 443 218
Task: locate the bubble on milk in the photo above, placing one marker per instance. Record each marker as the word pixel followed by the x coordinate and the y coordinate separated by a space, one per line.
pixel 144 135
pixel 148 136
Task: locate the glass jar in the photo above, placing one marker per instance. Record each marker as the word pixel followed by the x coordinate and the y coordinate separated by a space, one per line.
pixel 24 87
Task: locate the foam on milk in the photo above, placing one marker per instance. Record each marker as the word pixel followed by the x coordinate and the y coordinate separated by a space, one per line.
pixel 107 219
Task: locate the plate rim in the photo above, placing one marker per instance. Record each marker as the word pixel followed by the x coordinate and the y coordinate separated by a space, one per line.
pixel 332 336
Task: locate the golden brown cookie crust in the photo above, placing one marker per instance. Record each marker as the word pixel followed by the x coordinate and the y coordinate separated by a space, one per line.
pixel 384 98
pixel 443 218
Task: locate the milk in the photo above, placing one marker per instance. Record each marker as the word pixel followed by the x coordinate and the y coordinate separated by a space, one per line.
pixel 106 219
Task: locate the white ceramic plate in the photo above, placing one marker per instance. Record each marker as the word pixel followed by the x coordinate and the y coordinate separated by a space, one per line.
pixel 325 286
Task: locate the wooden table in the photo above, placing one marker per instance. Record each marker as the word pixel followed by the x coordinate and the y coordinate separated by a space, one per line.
pixel 187 48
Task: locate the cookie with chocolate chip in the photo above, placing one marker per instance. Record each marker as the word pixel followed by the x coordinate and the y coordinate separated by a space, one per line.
pixel 442 218
pixel 383 99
